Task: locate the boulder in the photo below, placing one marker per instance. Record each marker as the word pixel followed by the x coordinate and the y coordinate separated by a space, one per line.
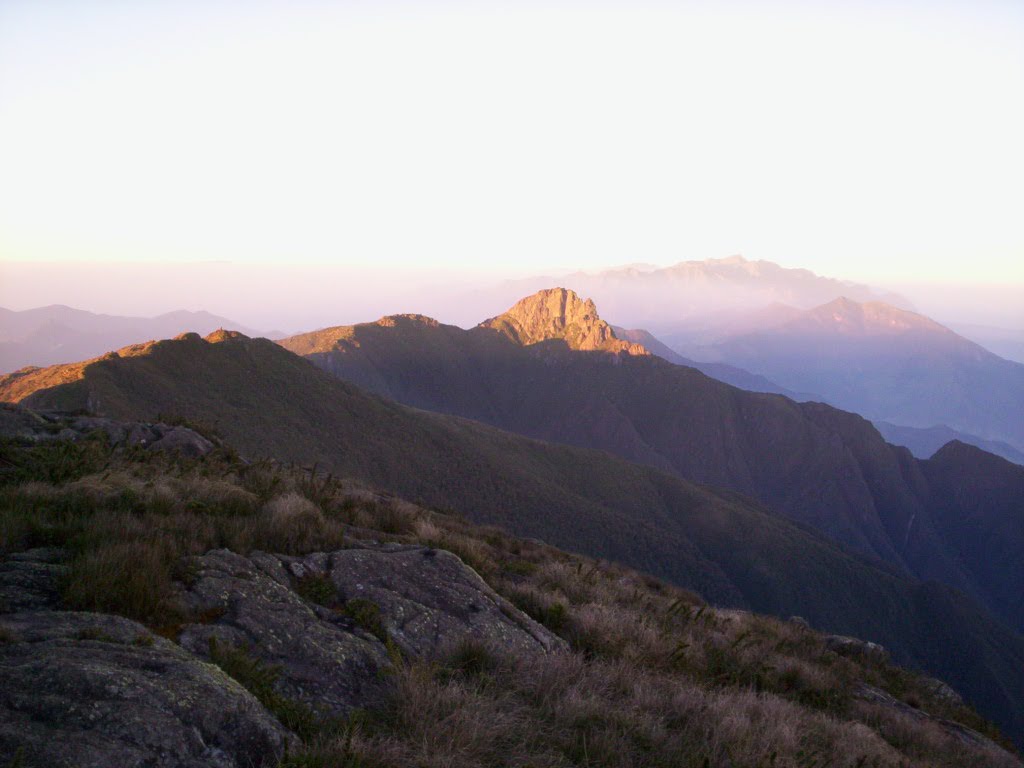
pixel 323 658
pixel 852 646
pixel 92 691
pixel 181 440
pixel 327 645
pixel 428 599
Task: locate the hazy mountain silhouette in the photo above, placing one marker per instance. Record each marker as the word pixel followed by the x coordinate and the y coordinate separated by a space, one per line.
pixel 1005 342
pixel 925 442
pixel 817 465
pixel 730 374
pixel 60 334
pixel 660 298
pixel 883 362
pixel 268 401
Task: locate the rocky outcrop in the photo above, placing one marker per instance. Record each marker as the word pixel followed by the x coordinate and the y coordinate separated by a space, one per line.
pixel 963 734
pixel 853 646
pixel 559 314
pixel 92 691
pixel 324 658
pixel 428 599
pixel 322 619
pixel 21 423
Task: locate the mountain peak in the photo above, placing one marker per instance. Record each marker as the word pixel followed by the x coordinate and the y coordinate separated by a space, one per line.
pixel 222 334
pixel 559 313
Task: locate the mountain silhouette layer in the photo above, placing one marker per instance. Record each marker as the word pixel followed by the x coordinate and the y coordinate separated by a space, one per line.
pixel 817 465
pixel 59 334
pixel 883 362
pixel 268 401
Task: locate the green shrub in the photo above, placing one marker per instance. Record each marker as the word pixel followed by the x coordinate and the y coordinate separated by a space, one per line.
pixel 317 588
pixel 259 679
pixel 366 614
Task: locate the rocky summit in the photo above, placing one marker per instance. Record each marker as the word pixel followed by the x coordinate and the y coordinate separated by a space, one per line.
pixel 559 314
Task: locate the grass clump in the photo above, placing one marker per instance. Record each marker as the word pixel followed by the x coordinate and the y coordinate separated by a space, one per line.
pixel 366 614
pixel 259 679
pixel 652 675
pixel 317 588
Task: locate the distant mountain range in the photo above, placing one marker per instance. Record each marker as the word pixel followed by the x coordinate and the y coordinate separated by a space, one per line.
pixel 659 298
pixel 730 374
pixel 817 465
pixel 732 549
pixel 924 443
pixel 59 334
pixel 886 363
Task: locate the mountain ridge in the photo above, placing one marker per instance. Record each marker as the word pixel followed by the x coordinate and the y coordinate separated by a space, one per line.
pixel 888 364
pixel 268 401
pixel 819 466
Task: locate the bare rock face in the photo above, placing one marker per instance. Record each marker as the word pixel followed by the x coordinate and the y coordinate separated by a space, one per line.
pixel 428 600
pixel 322 619
pixel 324 658
pixel 559 314
pixel 92 691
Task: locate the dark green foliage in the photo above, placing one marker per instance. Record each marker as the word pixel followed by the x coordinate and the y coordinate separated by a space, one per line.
pixel 54 462
pixel 317 588
pixel 366 614
pixel 259 679
pixel 551 614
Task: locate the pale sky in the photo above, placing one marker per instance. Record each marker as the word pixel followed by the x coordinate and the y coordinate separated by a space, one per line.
pixel 871 141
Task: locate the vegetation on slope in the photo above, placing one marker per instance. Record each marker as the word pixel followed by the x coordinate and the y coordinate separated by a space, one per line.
pixel 655 676
pixel 269 402
pixel 813 463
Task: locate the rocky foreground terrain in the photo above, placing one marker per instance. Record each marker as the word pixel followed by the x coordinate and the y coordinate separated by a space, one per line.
pixel 163 602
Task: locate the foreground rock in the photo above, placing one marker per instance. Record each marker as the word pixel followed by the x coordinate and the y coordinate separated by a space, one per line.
pixel 324 659
pixel 322 619
pixel 93 691
pixel 429 600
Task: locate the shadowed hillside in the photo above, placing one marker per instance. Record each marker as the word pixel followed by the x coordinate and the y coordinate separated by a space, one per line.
pixel 268 401
pixel 292 620
pixel 813 463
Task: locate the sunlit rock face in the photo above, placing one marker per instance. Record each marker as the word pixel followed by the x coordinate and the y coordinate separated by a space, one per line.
pixel 558 313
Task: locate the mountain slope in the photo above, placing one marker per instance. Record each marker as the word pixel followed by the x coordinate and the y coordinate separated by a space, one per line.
pixel 822 467
pixel 885 363
pixel 269 401
pixel 59 334
pixel 657 674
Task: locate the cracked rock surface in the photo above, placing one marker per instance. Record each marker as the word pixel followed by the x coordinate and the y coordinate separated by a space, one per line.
pixel 92 691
